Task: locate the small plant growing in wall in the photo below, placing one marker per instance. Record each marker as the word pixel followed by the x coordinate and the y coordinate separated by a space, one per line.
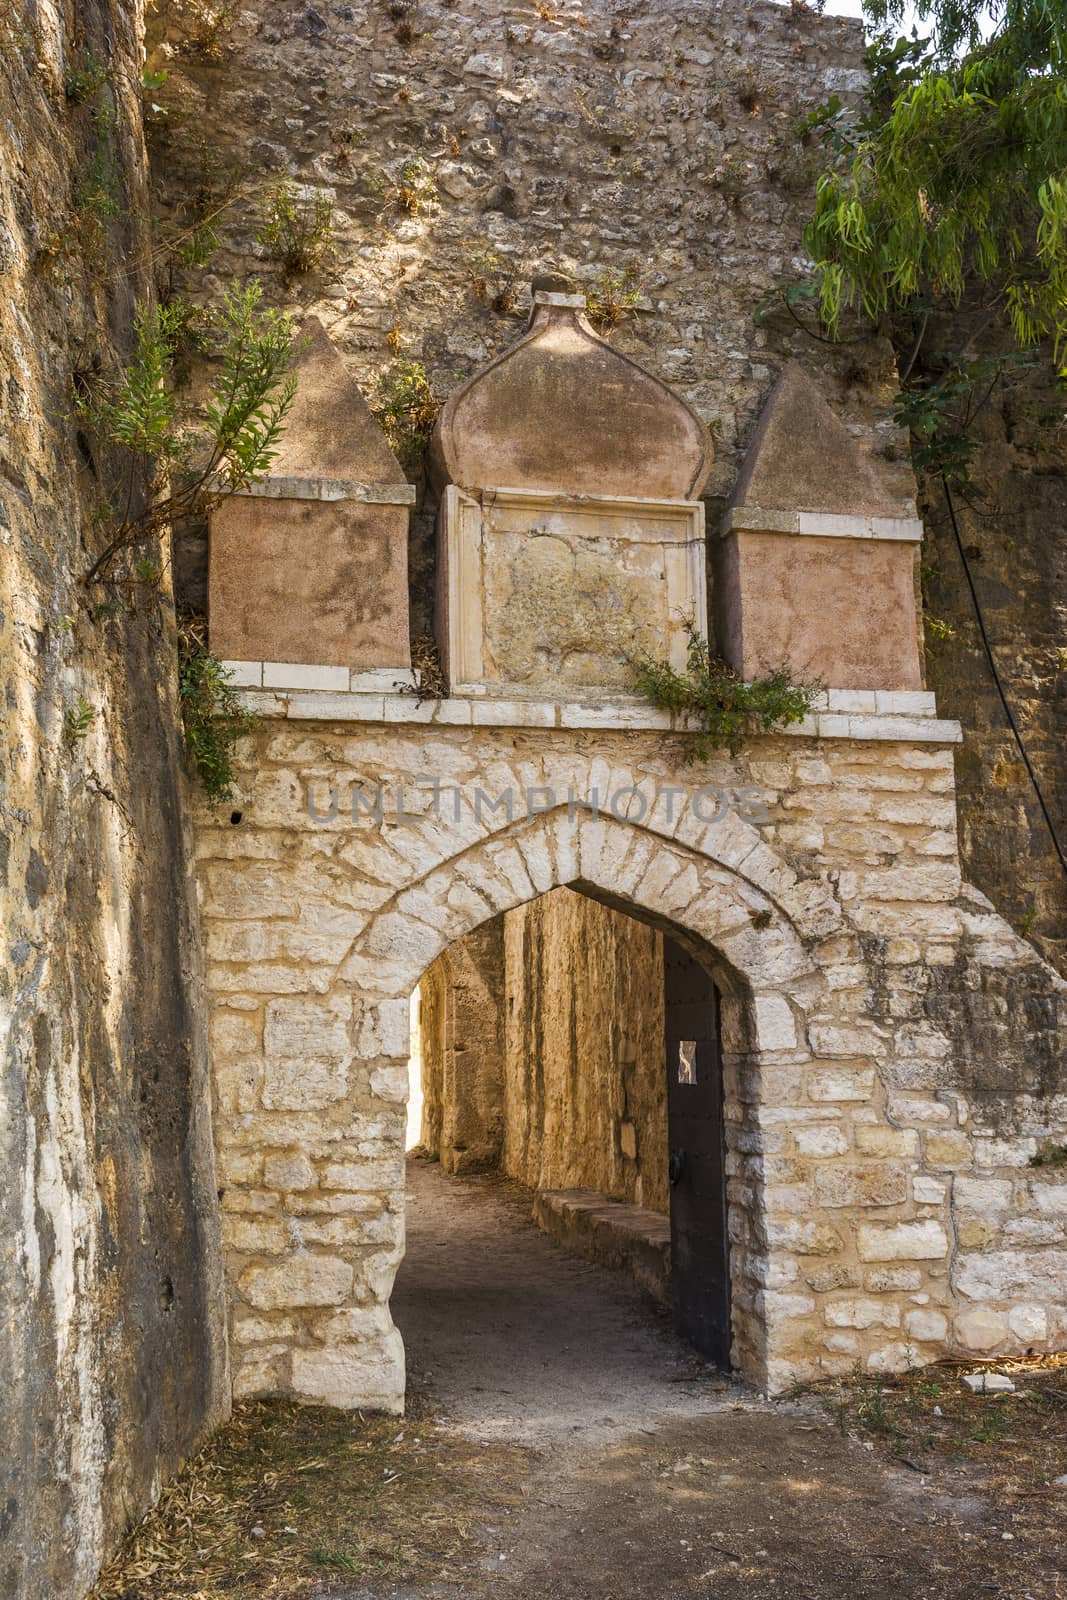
pixel 613 297
pixel 213 718
pixel 135 418
pixel 727 710
pixel 85 81
pixel 297 228
pixel 407 408
pixel 78 721
pixel 412 189
pixel 493 279
pixel 206 27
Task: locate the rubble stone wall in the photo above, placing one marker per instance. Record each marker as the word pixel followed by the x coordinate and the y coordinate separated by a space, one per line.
pixel 113 1340
pixel 892 1051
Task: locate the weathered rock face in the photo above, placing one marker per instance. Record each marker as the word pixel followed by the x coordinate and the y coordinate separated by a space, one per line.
pixel 112 1346
pixel 586 1103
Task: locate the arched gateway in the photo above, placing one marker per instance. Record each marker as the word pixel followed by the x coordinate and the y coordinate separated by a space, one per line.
pixel 878 1190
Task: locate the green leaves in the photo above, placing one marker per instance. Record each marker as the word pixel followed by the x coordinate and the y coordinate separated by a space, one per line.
pixel 727 709
pixel 956 172
pixel 250 399
pixel 233 438
pixel 213 719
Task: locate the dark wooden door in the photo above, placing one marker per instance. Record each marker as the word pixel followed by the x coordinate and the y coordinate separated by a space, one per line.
pixel 700 1276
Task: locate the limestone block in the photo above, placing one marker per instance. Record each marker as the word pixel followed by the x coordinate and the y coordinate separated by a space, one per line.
pixel 902 1241
pixel 290 1171
pixel 927 1191
pixel 894 1357
pixel 257 1330
pixel 878 1139
pixel 802 1238
pixel 390 1083
pixel 981 1329
pixel 862 1314
pixel 295 1085
pixel 830 1040
pixel 841 1083
pixel 299 1280
pixel 1013 1275
pixel 1029 1323
pixel 885 1280
pixel 875 1183
pixel 302 1030
pixel 254 1236
pixel 946 1149
pixel 363 1176
pixel 367 1375
pixel 775 1023
pixel 232 1034
pixel 982 1194
pixel 260 1377
pixel 824 1139
pixel 926 1325
pixel 1050 1198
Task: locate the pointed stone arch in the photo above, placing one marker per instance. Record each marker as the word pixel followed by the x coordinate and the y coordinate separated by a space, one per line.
pixel 762 964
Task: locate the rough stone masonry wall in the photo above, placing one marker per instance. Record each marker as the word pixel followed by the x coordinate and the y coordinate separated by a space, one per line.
pixel 112 1346
pixel 461 1051
pixel 1012 527
pixel 893 1054
pixel 605 137
pixel 586 1083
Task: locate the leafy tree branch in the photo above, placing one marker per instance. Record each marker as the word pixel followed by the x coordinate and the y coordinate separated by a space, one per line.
pixel 169 463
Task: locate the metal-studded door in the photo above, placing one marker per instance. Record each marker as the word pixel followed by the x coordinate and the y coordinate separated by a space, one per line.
pixel 699 1247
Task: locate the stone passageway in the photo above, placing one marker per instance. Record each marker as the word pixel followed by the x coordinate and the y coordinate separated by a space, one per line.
pixel 521 1342
pixel 645 1474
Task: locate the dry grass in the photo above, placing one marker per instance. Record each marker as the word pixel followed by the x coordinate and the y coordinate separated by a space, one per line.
pixel 1017 1442
pixel 290 1500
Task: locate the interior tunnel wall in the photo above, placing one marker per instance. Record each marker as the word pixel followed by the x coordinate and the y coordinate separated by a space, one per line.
pixel 461 1027
pixel 585 1085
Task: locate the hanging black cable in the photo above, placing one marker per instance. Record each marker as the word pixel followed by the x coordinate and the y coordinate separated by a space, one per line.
pixel 997 680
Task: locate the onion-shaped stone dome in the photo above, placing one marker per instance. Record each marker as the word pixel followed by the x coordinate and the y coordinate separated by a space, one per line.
pixel 562 410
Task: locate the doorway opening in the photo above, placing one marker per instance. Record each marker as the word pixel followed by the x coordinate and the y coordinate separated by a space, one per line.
pixel 574 1052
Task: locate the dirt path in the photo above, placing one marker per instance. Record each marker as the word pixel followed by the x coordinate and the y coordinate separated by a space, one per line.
pixel 646 1475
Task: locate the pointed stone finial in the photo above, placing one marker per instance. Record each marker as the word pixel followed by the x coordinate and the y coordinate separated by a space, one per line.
pixel 330 431
pixel 562 410
pixel 803 458
pixel 815 564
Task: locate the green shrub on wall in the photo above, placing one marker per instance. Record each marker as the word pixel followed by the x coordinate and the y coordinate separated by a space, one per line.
pixel 213 718
pixel 727 710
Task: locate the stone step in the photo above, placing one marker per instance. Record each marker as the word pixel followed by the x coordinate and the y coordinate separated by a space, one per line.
pixel 631 1239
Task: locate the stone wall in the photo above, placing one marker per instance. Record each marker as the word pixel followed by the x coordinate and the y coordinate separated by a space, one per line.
pixel 883 1205
pixel 613 136
pixel 461 1043
pixel 113 1349
pixel 609 138
pixel 586 1084
pixel 1012 530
